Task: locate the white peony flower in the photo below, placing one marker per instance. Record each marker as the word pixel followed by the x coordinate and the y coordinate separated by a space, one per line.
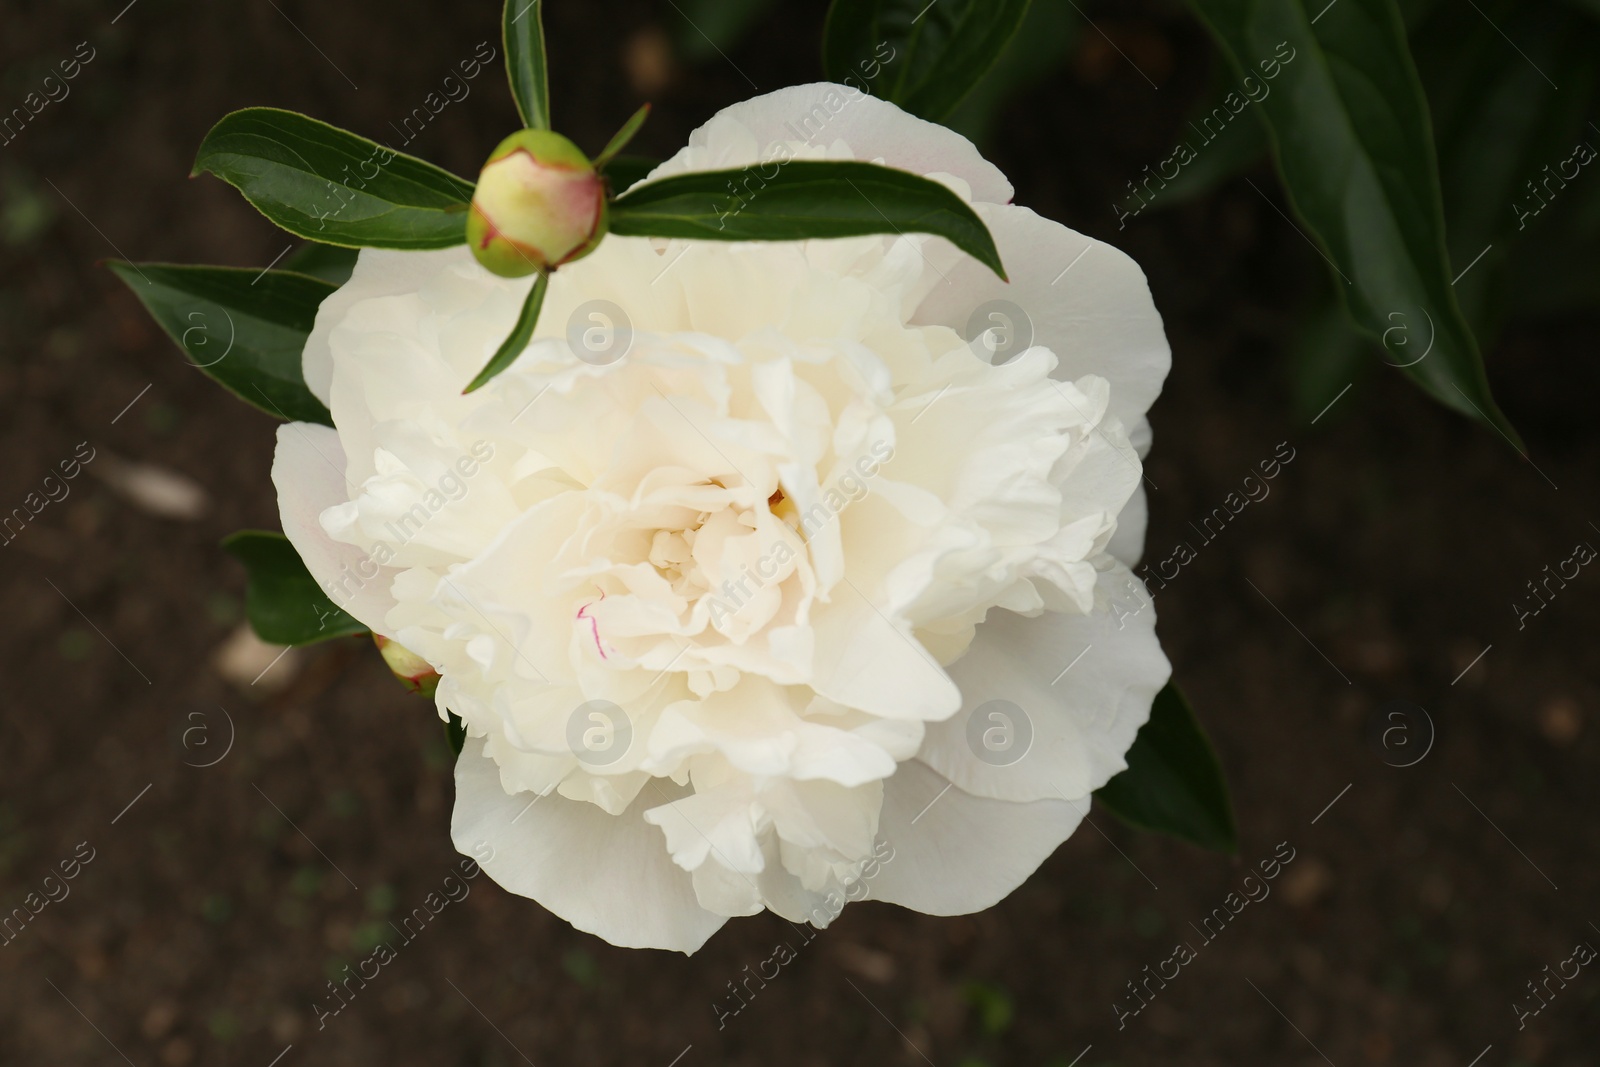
pixel 719 593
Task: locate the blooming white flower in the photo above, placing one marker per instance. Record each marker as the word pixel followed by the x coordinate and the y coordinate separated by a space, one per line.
pixel 718 614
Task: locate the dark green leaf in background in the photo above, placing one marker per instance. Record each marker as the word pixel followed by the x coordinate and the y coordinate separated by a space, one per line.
pixel 333 186
pixel 244 328
pixel 523 25
pixel 1173 784
pixel 1352 137
pixel 455 732
pixel 623 172
pixel 284 603
pixel 923 56
pixel 1506 134
pixel 331 263
pixel 801 199
pixel 1040 47
pixel 521 334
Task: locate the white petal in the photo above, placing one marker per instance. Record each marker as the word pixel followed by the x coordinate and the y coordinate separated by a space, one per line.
pixel 378 272
pixel 867 662
pixel 608 875
pixel 825 114
pixel 963 853
pixel 1127 544
pixel 1080 685
pixel 308 470
pixel 1087 301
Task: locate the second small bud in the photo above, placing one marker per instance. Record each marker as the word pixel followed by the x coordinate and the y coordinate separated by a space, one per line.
pixel 539 203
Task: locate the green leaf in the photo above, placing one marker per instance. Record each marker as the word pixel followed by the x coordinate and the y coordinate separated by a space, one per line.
pixel 244 328
pixel 521 334
pixel 455 732
pixel 1501 124
pixel 331 263
pixel 800 199
pixel 1039 48
pixel 623 172
pixel 284 603
pixel 923 56
pixel 313 180
pixel 1352 137
pixel 523 24
pixel 620 139
pixel 1173 784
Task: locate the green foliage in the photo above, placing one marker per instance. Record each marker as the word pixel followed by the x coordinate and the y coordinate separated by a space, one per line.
pixel 455 733
pixel 1351 133
pixel 623 171
pixel 522 23
pixel 924 57
pixel 284 603
pixel 1173 784
pixel 331 263
pixel 521 334
pixel 620 139
pixel 333 186
pixel 245 329
pixel 798 199
pixel 1040 47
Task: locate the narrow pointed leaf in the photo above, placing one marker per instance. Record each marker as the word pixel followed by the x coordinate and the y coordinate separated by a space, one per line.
pixel 801 199
pixel 1353 139
pixel 521 334
pixel 523 24
pixel 283 602
pixel 332 186
pixel 244 328
pixel 923 56
pixel 620 139
pixel 1173 784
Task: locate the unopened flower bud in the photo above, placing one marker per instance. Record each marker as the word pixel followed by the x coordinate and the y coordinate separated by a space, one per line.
pixel 414 672
pixel 539 204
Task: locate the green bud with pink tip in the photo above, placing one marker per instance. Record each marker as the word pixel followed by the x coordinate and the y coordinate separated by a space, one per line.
pixel 416 673
pixel 539 203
